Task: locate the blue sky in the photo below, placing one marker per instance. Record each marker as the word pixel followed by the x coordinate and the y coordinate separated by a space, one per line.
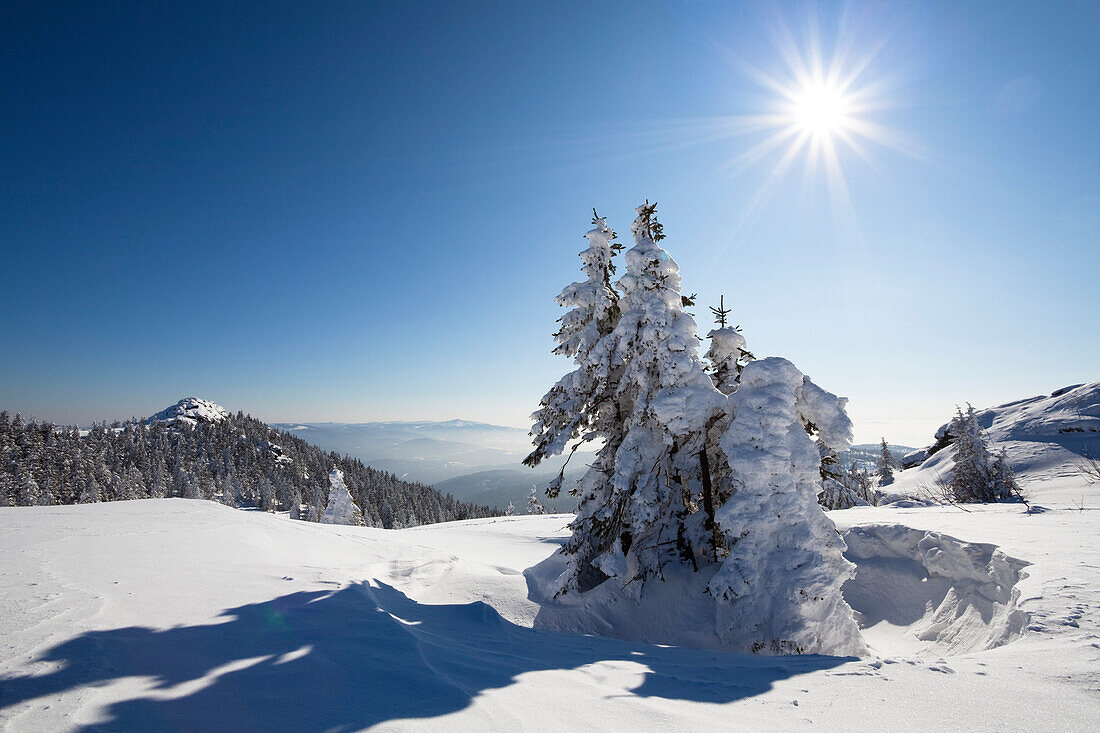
pixel 358 211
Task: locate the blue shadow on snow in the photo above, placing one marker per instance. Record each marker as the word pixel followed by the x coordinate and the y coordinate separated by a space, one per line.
pixel 362 655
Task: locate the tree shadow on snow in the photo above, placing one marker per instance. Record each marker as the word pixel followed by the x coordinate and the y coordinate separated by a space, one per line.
pixel 359 656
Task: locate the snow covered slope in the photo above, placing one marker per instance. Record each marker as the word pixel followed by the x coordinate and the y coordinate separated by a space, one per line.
pixel 190 410
pixel 1046 439
pixel 184 615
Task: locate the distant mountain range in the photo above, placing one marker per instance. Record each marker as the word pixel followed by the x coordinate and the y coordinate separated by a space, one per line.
pixel 459 457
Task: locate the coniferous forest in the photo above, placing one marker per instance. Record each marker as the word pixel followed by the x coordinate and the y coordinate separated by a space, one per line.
pixel 236 460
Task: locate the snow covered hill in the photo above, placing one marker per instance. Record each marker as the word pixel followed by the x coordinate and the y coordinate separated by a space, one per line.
pixel 1047 440
pixel 190 410
pixel 185 615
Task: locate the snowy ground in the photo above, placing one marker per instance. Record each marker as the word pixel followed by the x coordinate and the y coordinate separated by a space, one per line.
pixel 175 614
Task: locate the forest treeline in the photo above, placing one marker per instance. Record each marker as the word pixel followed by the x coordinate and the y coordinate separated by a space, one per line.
pixel 237 460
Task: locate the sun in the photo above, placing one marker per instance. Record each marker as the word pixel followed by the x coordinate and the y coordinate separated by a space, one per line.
pixel 821 110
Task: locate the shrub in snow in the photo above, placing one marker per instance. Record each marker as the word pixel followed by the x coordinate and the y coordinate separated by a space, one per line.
pixel 860 482
pixel 341 508
pixel 698 519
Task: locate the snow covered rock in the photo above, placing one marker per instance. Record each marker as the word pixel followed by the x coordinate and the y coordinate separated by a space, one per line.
pixel 341 507
pixel 190 411
pixel 914 458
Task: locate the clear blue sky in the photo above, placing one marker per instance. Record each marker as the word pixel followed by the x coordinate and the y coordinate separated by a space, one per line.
pixel 363 210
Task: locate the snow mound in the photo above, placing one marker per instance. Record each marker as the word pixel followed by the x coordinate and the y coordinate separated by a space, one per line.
pixel 191 411
pixel 927 593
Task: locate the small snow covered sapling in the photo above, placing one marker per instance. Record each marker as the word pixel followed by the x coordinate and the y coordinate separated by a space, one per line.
pixel 534 506
pixel 727 354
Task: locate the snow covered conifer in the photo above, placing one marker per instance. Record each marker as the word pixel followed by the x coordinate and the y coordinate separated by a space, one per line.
pixel 836 494
pixel 594 303
pixel 534 506
pixel 781 582
pixel 1004 478
pixel 510 510
pixel 727 354
pixel 341 507
pixel 972 474
pixel 91 492
pixel 657 406
pixel 568 409
pixel 29 493
pixel 886 465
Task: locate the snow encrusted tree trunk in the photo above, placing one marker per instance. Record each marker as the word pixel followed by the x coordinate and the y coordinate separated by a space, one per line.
pixel 780 586
pixel 341 507
pixel 568 409
pixel 635 498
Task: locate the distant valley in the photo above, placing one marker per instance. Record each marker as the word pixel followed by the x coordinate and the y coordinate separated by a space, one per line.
pixel 459 457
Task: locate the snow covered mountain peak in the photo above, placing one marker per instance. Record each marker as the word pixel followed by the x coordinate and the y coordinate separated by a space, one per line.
pixel 190 410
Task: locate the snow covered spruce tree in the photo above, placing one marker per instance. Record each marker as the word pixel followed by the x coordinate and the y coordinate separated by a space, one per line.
pixel 976 476
pixel 782 578
pixel 685 533
pixel 653 404
pixel 341 507
pixel 568 410
pixel 886 465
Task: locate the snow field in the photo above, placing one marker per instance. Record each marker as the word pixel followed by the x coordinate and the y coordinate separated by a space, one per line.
pixel 184 614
